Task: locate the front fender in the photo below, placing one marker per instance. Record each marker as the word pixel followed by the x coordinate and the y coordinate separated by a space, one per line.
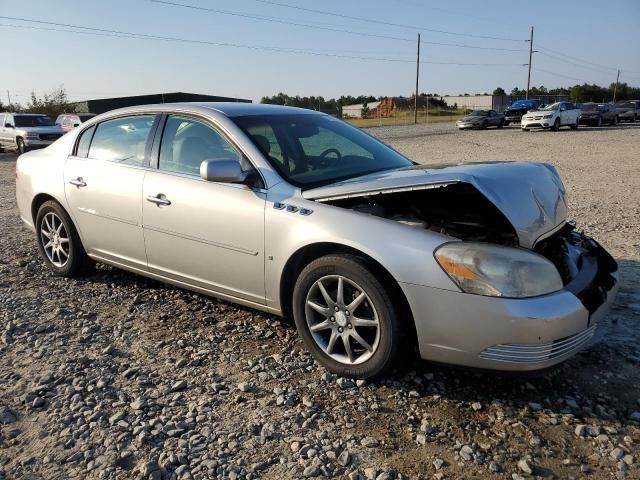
pixel 405 252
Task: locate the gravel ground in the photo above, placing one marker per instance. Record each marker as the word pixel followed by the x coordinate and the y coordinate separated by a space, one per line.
pixel 118 377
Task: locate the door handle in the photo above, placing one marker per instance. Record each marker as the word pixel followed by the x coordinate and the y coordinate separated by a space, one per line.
pixel 78 182
pixel 159 199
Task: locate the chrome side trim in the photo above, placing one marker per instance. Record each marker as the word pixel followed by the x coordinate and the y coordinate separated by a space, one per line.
pixel 536 353
pixel 202 240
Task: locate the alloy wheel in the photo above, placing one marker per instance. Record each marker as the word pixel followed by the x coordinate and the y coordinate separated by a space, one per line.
pixel 342 319
pixel 55 239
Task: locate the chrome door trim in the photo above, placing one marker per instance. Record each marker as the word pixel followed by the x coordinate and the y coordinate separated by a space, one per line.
pixel 253 253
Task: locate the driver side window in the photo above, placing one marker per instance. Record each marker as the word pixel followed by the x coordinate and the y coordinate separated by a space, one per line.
pixel 186 142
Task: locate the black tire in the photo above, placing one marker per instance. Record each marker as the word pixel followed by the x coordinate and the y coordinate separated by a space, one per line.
pixel 556 125
pixel 614 122
pixel 485 124
pixel 506 123
pixel 501 124
pixel 20 146
pixel 599 122
pixel 357 270
pixel 77 260
pixel 574 126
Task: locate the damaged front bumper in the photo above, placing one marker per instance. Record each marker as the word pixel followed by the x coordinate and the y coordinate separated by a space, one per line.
pixel 519 334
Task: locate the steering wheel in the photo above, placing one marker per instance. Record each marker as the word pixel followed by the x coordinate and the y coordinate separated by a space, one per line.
pixel 323 161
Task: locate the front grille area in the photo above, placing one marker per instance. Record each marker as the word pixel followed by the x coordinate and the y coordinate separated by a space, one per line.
pixel 585 267
pixel 50 136
pixel 541 352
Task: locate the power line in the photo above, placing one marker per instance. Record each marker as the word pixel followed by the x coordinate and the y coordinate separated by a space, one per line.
pixel 142 36
pixel 331 29
pixel 576 58
pixel 560 59
pixel 537 69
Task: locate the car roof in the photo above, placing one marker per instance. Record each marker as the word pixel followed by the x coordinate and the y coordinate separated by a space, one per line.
pixel 27 114
pixel 238 109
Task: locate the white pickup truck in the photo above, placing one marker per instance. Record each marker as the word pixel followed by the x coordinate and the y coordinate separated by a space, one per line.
pixel 554 116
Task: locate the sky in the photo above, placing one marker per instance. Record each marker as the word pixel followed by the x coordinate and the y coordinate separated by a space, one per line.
pixel 223 49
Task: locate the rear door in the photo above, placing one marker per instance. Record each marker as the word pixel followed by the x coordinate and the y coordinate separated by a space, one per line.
pixel 103 185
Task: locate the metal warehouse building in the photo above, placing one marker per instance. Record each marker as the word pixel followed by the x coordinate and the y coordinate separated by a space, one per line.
pixel 102 105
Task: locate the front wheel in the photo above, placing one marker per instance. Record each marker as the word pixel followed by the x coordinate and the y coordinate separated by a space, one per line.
pixel 501 124
pixel 20 146
pixel 556 125
pixel 346 317
pixel 506 124
pixel 574 126
pixel 58 241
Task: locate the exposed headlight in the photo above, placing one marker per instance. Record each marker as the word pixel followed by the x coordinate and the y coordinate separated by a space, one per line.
pixel 548 115
pixel 497 271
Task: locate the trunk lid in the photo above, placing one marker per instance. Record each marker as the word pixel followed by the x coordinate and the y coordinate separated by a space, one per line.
pixel 530 195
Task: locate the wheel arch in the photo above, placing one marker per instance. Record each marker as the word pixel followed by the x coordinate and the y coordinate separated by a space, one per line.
pixel 37 202
pixel 303 256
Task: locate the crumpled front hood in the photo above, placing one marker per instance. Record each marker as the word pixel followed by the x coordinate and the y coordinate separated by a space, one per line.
pixel 530 195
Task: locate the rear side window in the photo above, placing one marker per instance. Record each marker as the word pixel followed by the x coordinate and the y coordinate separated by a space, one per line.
pixel 122 140
pixel 84 142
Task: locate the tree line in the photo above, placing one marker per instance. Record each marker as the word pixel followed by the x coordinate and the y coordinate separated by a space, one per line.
pixel 334 106
pixel 51 104
pixel 581 93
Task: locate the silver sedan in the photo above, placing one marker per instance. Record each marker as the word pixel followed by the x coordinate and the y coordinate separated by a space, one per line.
pixel 299 214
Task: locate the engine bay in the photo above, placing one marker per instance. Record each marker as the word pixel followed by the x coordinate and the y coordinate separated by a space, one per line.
pixel 458 210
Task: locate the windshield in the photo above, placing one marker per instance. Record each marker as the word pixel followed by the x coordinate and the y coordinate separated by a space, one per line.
pixel 553 106
pixel 523 104
pixel 314 150
pixel 33 121
pixel 479 113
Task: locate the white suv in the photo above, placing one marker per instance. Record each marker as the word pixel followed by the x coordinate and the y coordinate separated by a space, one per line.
pixel 554 116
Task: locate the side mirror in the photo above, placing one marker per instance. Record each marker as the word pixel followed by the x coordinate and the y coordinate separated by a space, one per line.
pixel 8 125
pixel 224 171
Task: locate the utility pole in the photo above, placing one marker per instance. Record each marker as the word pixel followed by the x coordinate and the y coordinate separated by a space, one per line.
pixel 615 88
pixel 415 100
pixel 9 97
pixel 530 56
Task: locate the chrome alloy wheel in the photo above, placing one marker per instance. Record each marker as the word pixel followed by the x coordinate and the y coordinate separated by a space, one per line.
pixel 342 319
pixel 55 239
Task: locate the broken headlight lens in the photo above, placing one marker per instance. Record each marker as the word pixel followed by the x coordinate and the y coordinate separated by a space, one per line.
pixel 497 271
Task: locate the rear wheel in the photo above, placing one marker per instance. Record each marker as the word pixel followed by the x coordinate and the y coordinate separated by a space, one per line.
pixel 346 317
pixel 58 241
pixel 506 123
pixel 485 124
pixel 599 122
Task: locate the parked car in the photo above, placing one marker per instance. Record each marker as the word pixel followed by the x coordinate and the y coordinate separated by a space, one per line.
pixel 554 116
pixel 637 105
pixel 514 112
pixel 627 111
pixel 297 213
pixel 595 114
pixel 69 121
pixel 25 131
pixel 481 119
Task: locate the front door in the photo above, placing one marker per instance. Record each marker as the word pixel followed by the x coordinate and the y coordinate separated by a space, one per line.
pixel 205 234
pixel 103 185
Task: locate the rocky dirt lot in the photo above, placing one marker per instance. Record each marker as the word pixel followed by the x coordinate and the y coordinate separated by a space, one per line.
pixel 117 377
